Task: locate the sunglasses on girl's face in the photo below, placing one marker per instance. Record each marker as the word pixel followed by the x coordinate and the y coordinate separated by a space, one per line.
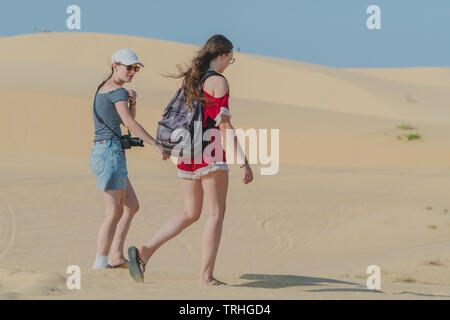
pixel 130 67
pixel 232 60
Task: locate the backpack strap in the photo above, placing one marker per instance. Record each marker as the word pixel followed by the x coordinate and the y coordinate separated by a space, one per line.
pixel 207 75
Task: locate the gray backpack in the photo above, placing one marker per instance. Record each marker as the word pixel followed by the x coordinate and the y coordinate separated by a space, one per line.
pixel 180 132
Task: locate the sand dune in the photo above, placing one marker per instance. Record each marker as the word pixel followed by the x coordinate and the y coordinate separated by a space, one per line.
pixel 30 283
pixel 428 76
pixel 257 83
pixel 351 190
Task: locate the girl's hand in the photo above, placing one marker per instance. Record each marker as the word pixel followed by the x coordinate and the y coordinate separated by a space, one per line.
pixel 247 174
pixel 132 96
pixel 160 150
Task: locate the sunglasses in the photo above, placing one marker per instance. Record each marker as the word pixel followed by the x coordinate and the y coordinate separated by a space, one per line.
pixel 130 67
pixel 232 60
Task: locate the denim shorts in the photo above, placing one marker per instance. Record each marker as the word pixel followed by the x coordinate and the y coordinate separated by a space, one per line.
pixel 108 163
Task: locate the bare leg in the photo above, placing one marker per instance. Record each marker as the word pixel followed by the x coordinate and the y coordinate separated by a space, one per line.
pixel 114 210
pixel 193 199
pixel 215 186
pixel 130 207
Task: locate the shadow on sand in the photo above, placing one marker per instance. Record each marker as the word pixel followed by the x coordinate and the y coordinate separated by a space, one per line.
pixel 423 294
pixel 277 281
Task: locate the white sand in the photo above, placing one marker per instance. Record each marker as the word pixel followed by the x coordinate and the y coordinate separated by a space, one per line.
pixel 348 194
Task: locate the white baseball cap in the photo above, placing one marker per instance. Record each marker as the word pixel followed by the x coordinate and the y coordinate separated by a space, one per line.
pixel 126 57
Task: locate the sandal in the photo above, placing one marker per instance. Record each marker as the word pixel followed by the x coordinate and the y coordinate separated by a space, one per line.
pixel 119 266
pixel 136 266
pixel 219 283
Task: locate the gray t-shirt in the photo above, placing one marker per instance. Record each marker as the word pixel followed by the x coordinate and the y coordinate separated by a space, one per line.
pixel 104 104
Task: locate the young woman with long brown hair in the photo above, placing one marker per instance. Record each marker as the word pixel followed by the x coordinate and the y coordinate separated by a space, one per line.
pixel 206 177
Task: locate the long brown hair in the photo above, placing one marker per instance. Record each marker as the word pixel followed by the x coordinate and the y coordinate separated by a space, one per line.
pixel 109 77
pixel 216 46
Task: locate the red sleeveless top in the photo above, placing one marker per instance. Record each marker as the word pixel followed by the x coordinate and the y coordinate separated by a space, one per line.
pixel 212 116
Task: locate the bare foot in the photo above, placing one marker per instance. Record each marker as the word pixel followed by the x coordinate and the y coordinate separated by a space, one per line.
pixel 145 252
pixel 118 263
pixel 212 282
pixel 145 261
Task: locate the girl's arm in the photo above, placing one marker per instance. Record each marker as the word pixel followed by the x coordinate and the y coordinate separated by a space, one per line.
pixel 226 126
pixel 219 87
pixel 133 110
pixel 136 128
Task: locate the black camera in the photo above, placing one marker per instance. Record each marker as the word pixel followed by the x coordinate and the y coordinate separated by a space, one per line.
pixel 127 141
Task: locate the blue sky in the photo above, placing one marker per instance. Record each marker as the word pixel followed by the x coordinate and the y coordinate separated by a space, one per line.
pixel 328 32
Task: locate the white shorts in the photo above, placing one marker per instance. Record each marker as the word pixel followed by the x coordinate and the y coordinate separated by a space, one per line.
pixel 214 166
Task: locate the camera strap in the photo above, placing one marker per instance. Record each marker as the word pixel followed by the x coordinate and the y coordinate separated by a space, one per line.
pixel 101 121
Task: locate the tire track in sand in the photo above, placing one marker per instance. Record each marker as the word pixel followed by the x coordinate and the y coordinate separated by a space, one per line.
pixel 285 228
pixel 273 224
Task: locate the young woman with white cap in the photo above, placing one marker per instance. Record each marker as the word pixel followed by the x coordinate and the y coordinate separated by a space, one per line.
pixel 114 105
